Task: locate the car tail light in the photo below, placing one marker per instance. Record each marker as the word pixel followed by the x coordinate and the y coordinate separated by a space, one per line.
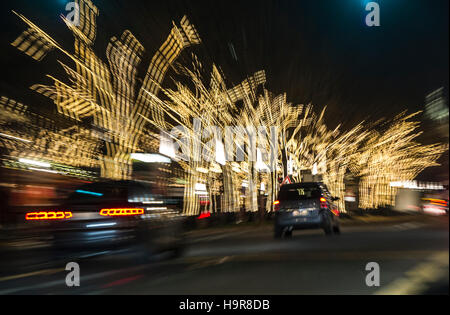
pixel 48 215
pixel 204 215
pixel 336 212
pixel 438 202
pixel 121 212
pixel 276 204
pixel 323 203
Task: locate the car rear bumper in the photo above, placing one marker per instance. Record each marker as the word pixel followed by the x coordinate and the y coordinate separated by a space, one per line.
pixel 93 239
pixel 299 223
pixel 95 234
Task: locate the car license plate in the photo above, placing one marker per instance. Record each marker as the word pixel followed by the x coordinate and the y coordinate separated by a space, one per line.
pixel 300 212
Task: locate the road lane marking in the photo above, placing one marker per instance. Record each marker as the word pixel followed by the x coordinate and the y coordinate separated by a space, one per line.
pixel 408 226
pixel 200 239
pixel 317 256
pixel 31 274
pixel 62 282
pixel 122 281
pixel 418 279
pixel 209 263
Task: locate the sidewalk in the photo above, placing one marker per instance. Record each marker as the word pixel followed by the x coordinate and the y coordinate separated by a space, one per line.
pixel 382 219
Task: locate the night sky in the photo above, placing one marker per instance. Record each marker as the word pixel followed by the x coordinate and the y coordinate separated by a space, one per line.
pixel 319 52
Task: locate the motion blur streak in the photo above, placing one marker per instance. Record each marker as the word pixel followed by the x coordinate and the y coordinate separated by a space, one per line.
pixel 122 281
pixel 230 148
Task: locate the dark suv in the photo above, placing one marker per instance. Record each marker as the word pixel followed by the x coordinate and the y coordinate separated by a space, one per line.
pixel 305 206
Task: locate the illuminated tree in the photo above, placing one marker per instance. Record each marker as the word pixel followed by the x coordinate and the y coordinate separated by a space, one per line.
pixel 106 91
pixel 29 135
pixel 195 108
pixel 284 118
pixel 389 154
pixel 329 153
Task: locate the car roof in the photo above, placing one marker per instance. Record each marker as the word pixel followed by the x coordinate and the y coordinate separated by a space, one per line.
pixel 109 182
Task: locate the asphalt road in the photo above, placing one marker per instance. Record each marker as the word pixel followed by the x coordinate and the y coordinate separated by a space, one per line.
pixel 413 257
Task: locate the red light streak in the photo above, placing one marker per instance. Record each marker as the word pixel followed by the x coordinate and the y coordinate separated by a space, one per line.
pixel 204 215
pixel 48 215
pixel 121 212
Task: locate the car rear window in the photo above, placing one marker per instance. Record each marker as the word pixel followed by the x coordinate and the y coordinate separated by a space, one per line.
pixel 113 192
pixel 299 193
pixel 99 193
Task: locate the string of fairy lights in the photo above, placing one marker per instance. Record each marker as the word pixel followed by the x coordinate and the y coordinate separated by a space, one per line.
pixel 128 109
